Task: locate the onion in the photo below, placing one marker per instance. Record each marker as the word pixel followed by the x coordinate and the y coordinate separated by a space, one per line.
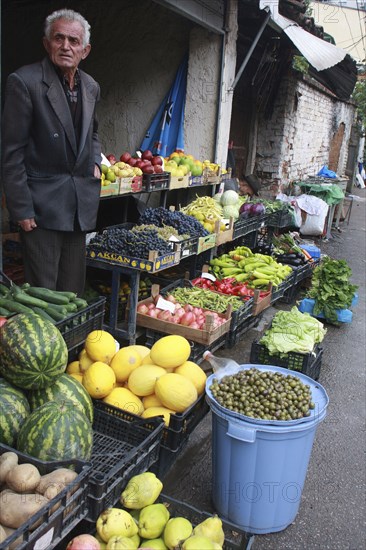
pixel 142 308
pixel 164 315
pixel 245 207
pixel 188 307
pixel 171 298
pixel 257 209
pixel 179 312
pixel 187 319
pixel 153 313
pixel 195 325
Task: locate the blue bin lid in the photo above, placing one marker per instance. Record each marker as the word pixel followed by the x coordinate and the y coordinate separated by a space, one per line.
pixel 319 395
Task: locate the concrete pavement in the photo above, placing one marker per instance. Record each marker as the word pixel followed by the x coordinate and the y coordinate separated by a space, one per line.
pixel 332 511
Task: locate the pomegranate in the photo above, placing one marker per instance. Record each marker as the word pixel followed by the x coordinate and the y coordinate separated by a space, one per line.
pixel 83 542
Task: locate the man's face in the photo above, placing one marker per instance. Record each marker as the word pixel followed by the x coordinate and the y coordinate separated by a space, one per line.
pixel 244 188
pixel 65 46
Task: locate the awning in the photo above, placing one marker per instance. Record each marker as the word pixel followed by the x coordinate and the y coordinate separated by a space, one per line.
pixel 332 66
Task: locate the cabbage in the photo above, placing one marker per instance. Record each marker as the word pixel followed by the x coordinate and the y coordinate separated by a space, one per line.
pixel 230 211
pixel 217 197
pixel 229 197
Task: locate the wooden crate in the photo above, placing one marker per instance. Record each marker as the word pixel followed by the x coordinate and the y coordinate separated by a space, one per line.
pixel 260 304
pixel 109 190
pixel 224 236
pixel 179 182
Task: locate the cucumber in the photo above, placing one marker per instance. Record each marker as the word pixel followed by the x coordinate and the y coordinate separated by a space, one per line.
pixel 71 307
pixel 81 303
pixel 70 295
pixel 56 313
pixel 4 312
pixel 4 290
pixel 27 300
pixel 42 313
pixel 57 307
pixel 14 306
pixel 51 296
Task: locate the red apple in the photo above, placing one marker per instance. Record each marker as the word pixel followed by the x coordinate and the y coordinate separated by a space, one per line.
pixel 132 162
pixel 83 542
pixel 147 155
pixel 156 160
pixel 125 157
pixel 139 163
pixel 112 159
pixel 149 169
pixel 158 169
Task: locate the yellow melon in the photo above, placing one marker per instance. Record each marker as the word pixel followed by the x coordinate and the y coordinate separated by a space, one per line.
pixel 78 376
pixel 142 350
pixel 170 351
pixel 194 373
pixel 84 360
pixel 151 401
pixel 147 360
pixel 124 362
pixel 158 411
pixel 142 380
pixel 73 367
pixel 99 380
pixel 175 391
pixel 100 346
pixel 124 399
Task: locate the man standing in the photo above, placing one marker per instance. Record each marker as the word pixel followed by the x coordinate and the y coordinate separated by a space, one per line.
pixel 51 155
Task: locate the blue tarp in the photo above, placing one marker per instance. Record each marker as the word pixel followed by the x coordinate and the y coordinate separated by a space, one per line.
pixel 166 132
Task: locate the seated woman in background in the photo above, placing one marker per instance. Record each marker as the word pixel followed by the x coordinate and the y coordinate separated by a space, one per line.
pixel 249 185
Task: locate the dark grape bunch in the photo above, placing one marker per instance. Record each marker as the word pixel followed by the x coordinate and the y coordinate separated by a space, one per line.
pixel 123 241
pixel 182 222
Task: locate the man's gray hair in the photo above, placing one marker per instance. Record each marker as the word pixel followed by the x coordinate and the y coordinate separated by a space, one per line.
pixel 70 15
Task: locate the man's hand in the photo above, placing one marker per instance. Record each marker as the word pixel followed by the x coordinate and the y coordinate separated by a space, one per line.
pixel 97 173
pixel 27 225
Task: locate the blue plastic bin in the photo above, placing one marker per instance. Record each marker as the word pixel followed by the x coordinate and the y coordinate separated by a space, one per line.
pixel 259 467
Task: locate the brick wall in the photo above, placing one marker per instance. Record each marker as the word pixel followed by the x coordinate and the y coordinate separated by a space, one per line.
pixel 309 127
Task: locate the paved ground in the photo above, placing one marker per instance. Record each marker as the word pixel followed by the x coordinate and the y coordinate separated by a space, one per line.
pixel 332 511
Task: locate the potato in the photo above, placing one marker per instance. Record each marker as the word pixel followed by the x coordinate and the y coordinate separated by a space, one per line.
pixel 16 543
pixel 55 481
pixel 7 462
pixel 16 509
pixel 24 478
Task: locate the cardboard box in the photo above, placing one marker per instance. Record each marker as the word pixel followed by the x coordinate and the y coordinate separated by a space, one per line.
pixel 195 180
pixel 109 190
pixel 130 185
pixel 179 182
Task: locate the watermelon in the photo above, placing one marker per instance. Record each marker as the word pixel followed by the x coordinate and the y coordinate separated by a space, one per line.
pixel 56 431
pixel 14 409
pixel 33 352
pixel 65 389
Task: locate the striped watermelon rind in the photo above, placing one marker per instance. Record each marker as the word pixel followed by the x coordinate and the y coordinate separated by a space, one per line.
pixel 56 431
pixel 32 353
pixel 14 409
pixel 65 389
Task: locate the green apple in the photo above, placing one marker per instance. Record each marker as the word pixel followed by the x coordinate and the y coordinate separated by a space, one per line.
pixel 111 176
pixel 104 168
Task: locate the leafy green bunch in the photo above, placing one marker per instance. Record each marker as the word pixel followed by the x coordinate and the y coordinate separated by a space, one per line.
pixel 331 288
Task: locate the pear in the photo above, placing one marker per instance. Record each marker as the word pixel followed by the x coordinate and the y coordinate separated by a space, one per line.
pixel 152 521
pixel 141 490
pixel 115 522
pixel 121 543
pixel 198 542
pixel 176 531
pixel 157 544
pixel 212 529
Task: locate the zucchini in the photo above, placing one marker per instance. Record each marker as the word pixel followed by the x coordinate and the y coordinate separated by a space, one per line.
pixel 51 296
pixel 57 307
pixel 27 300
pixel 71 307
pixel 70 295
pixel 43 313
pixel 14 306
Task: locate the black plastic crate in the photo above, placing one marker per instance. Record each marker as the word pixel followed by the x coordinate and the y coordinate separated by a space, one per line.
pixel 76 327
pixel 55 524
pixel 279 290
pixel 188 247
pixel 235 537
pixel 234 335
pixel 281 218
pixel 244 226
pixel 155 182
pixel 242 314
pixel 123 446
pixel 307 363
pixel 180 426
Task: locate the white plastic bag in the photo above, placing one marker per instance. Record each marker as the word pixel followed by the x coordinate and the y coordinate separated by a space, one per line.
pixel 316 212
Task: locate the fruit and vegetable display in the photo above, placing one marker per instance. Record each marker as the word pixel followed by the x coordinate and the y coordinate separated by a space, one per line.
pixel 145 382
pixel 204 298
pixel 287 251
pixel 182 222
pixel 255 269
pixel 228 285
pixel 231 202
pixel 292 331
pixel 52 305
pixel 264 394
pixel 331 288
pixel 145 518
pixel 143 163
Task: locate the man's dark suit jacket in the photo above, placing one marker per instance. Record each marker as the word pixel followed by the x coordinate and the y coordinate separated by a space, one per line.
pixel 46 174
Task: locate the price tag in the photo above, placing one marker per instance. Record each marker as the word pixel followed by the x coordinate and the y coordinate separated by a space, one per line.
pixel 165 304
pixel 263 224
pixel 208 276
pixel 44 541
pixel 174 239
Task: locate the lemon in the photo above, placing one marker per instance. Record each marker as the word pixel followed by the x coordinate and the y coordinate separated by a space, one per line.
pixel 100 346
pixel 124 362
pixel 99 380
